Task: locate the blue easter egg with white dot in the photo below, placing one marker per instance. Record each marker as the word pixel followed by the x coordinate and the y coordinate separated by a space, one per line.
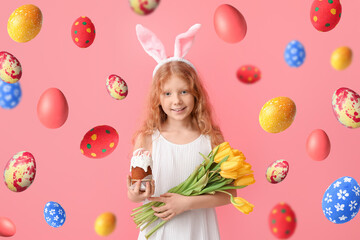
pixel 54 214
pixel 294 54
pixel 10 94
pixel 341 200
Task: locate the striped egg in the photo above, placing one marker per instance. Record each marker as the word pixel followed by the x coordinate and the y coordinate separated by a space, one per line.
pixel 116 87
pixel 10 68
pixel 346 107
pixel 277 114
pixel 20 171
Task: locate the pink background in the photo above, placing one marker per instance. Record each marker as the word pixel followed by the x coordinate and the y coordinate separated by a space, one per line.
pixel 88 187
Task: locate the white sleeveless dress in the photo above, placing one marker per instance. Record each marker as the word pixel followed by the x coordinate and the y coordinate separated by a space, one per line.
pixel 172 164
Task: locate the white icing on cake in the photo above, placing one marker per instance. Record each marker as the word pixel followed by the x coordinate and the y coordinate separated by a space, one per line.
pixel 141 158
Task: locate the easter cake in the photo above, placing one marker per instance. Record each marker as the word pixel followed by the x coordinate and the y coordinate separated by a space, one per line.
pixel 140 167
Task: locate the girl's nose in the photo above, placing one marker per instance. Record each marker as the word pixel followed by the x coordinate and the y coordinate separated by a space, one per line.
pixel 177 99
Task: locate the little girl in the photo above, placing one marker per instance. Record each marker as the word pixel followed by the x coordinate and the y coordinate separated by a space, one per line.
pixel 178 126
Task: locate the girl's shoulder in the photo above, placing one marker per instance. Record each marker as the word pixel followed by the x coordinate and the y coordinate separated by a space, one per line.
pixel 143 141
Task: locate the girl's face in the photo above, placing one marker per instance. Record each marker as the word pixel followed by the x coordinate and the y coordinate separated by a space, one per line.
pixel 176 99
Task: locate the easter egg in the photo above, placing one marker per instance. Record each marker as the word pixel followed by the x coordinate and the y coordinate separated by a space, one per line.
pixel 277 114
pixel 248 74
pixel 346 107
pixel 318 145
pixel 99 142
pixel 294 54
pixel 282 221
pixel 10 94
pixel 229 23
pixel 277 171
pixel 116 87
pixel 341 58
pixel 341 200
pixel 24 23
pixel 52 108
pixel 325 14
pixel 10 68
pixel 142 7
pixel 54 214
pixel 83 32
pixel 105 224
pixel 7 227
pixel 20 171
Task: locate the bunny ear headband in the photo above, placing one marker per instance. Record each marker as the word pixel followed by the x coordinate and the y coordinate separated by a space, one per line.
pixel 154 47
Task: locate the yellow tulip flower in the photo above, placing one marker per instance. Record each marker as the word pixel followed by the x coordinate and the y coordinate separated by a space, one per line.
pixel 244 180
pixel 224 150
pixel 229 174
pixel 231 165
pixel 242 205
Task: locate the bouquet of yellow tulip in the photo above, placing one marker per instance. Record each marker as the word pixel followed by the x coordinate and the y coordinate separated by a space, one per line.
pixel 224 168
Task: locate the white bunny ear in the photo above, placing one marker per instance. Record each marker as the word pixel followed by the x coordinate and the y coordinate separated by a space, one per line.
pixel 184 41
pixel 151 44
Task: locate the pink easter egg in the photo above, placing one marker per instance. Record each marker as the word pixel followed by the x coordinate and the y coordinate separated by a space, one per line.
pixel 52 108
pixel 7 227
pixel 229 23
pixel 318 145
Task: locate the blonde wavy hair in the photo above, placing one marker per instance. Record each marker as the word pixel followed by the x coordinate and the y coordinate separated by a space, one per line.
pixel 201 113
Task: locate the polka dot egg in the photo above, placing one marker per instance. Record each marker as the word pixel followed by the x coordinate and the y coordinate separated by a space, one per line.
pixel 20 171
pixel 282 221
pixel 99 142
pixel 54 214
pixel 294 54
pixel 10 94
pixel 341 200
pixel 83 32
pixel 346 107
pixel 10 68
pixel 248 74
pixel 116 87
pixel 277 171
pixel 144 7
pixel 325 14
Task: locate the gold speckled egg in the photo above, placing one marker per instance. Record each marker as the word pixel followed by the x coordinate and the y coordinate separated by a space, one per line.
pixel 277 114
pixel 24 23
pixel 341 58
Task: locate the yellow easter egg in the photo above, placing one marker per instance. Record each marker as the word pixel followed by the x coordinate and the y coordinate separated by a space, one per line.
pixel 341 58
pixel 105 224
pixel 24 23
pixel 277 114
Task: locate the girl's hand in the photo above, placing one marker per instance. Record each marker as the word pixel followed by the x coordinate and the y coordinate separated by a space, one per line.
pixel 174 205
pixel 136 195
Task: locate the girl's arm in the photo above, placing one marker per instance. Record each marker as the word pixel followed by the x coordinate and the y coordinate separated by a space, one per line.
pixel 209 200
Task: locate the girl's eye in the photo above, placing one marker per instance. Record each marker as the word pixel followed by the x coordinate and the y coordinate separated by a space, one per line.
pixel 167 94
pixel 184 92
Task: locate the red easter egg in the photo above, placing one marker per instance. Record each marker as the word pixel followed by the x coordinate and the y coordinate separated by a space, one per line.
pixel 248 74
pixel 99 142
pixel 229 23
pixel 83 32
pixel 282 221
pixel 7 227
pixel 325 14
pixel 318 145
pixel 52 108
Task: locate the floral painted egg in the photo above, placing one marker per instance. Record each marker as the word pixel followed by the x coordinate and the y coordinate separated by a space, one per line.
pixel 294 54
pixel 277 171
pixel 83 32
pixel 116 87
pixel 325 14
pixel 54 214
pixel 24 23
pixel 99 142
pixel 282 221
pixel 10 94
pixel 341 58
pixel 10 68
pixel 346 107
pixel 341 200
pixel 105 224
pixel 7 227
pixel 318 145
pixel 248 74
pixel 143 7
pixel 277 114
pixel 20 171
